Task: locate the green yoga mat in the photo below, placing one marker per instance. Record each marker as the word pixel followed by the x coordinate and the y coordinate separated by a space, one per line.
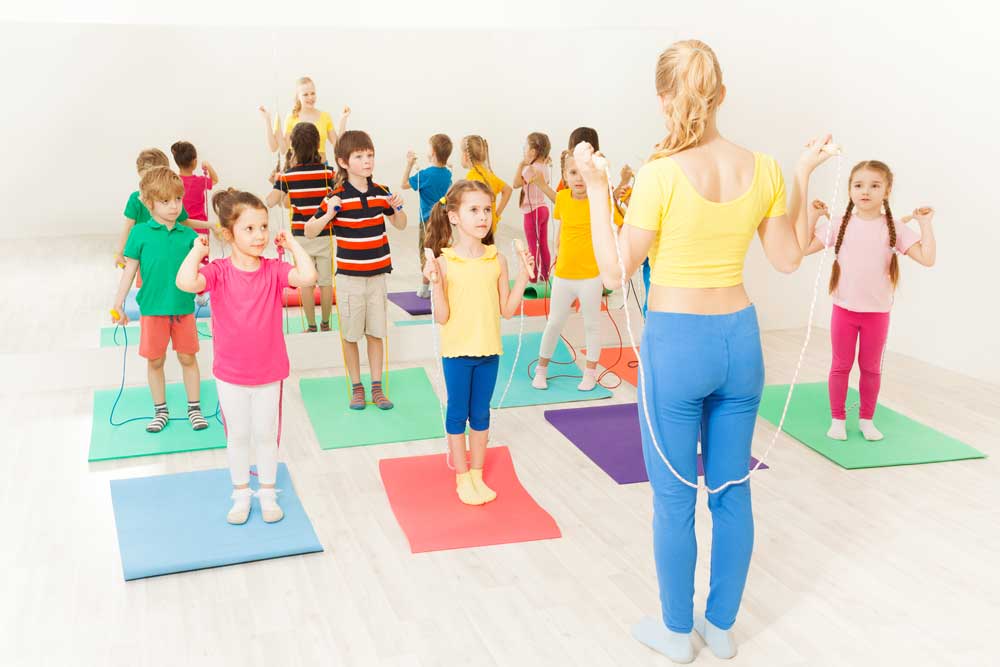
pixel 108 334
pixel 416 415
pixel 906 441
pixel 129 440
pixel 540 290
pixel 521 393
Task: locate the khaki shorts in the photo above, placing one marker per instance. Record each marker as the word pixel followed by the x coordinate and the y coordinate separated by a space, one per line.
pixel 319 249
pixel 362 303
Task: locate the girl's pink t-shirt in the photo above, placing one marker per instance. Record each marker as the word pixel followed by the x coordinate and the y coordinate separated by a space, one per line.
pixel 247 338
pixel 533 195
pixel 196 188
pixel 864 285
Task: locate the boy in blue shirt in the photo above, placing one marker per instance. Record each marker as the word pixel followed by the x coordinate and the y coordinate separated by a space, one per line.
pixel 431 183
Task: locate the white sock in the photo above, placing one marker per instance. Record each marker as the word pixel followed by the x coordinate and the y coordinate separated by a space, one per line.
pixel 589 380
pixel 240 511
pixel 838 430
pixel 720 641
pixel 269 509
pixel 868 430
pixel 675 645
pixel 540 381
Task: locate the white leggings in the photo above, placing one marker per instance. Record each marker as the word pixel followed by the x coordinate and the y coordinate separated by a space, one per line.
pixel 564 292
pixel 250 413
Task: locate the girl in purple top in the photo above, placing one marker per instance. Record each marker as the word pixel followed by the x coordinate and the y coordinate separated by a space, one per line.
pixel 250 357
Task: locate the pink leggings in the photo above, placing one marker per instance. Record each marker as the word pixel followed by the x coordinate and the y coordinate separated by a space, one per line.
pixel 536 226
pixel 845 328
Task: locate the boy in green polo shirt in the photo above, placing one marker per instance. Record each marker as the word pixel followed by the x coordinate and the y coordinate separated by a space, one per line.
pixel 135 210
pixel 159 247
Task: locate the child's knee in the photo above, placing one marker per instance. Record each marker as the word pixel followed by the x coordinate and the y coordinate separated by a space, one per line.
pixel 156 364
pixel 187 360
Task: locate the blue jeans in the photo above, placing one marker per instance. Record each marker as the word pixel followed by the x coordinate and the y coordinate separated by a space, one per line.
pixel 703 373
pixel 470 382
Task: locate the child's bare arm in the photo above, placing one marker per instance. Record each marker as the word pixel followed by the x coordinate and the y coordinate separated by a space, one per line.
pixel 188 278
pixel 122 240
pixel 124 285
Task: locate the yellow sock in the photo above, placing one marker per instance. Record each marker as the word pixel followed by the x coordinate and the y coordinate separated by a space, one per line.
pixel 485 493
pixel 466 491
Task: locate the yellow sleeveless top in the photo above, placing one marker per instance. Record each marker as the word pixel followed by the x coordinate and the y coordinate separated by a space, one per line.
pixel 473 326
pixel 700 243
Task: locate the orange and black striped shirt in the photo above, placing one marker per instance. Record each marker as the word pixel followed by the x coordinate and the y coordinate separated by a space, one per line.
pixel 362 241
pixel 307 185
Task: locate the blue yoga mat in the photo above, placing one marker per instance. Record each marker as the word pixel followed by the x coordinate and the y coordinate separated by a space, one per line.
pixel 132 306
pixel 177 523
pixel 561 390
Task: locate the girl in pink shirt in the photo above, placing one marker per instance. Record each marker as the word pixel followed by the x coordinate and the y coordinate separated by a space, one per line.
pixel 535 167
pixel 862 283
pixel 250 357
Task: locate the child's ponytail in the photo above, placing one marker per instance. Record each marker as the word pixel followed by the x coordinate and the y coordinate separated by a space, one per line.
pixel 894 262
pixel 835 271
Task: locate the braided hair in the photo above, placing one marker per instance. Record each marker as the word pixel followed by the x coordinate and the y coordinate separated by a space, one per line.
pixel 874 165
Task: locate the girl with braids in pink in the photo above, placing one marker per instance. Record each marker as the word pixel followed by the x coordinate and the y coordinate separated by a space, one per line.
pixel 863 280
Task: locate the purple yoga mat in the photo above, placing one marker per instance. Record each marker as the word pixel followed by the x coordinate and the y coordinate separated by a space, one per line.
pixel 411 303
pixel 609 435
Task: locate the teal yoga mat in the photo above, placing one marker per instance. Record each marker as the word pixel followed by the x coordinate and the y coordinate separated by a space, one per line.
pixel 129 440
pixel 416 415
pixel 906 441
pixel 521 393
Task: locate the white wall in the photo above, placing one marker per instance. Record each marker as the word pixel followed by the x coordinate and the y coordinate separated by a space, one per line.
pixel 891 82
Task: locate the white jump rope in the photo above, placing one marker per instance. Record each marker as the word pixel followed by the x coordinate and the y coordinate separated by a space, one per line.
pixel 519 250
pixel 602 164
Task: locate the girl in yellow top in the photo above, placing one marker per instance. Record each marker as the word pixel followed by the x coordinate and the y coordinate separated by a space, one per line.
pixel 471 293
pixel 695 208
pixel 304 111
pixel 576 276
pixel 476 158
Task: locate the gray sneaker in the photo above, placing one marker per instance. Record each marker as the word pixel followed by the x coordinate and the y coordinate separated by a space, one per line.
pixel 424 292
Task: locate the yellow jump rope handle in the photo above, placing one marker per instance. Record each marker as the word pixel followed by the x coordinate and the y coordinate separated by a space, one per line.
pixel 115 315
pixel 522 251
pixel 429 256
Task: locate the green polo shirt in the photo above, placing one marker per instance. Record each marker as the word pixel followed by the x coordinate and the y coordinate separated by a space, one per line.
pixel 160 253
pixel 136 210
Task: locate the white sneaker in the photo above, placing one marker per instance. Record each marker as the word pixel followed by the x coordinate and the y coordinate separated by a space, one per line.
pixel 269 509
pixel 838 430
pixel 589 380
pixel 240 511
pixel 868 430
pixel 424 292
pixel 540 381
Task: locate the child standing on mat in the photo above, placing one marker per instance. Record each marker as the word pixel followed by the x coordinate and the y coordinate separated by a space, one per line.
pixel 476 158
pixel 863 281
pixel 158 247
pixel 576 277
pixel 358 208
pixel 535 167
pixel 306 182
pixel 471 293
pixel 250 360
pixel 135 211
pixel 431 183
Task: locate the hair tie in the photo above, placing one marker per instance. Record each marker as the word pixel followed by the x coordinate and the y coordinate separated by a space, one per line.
pixel 443 201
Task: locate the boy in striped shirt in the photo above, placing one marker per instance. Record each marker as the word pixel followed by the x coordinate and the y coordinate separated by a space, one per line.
pixel 358 208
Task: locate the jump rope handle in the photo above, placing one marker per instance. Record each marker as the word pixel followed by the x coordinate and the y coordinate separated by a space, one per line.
pixel 832 149
pixel 120 265
pixel 429 256
pixel 521 252
pixel 115 315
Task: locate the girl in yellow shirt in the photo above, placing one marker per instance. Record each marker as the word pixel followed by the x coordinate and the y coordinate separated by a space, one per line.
pixel 476 158
pixel 470 294
pixel 576 276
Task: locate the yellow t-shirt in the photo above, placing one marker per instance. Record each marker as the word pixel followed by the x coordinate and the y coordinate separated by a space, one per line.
pixel 700 243
pixel 473 326
pixel 324 125
pixel 576 260
pixel 495 182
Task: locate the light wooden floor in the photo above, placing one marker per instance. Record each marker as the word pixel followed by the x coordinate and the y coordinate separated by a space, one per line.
pixel 872 567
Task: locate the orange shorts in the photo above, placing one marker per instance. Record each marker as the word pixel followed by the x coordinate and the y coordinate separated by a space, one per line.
pixel 156 330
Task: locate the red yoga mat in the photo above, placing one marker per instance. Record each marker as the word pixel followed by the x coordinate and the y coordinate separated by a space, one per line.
pixel 291 297
pixel 421 491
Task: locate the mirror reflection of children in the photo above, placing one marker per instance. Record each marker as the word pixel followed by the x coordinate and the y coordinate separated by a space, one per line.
pixel 304 110
pixel 431 183
pixel 533 168
pixel 470 292
pixel 250 359
pixel 476 158
pixel 863 280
